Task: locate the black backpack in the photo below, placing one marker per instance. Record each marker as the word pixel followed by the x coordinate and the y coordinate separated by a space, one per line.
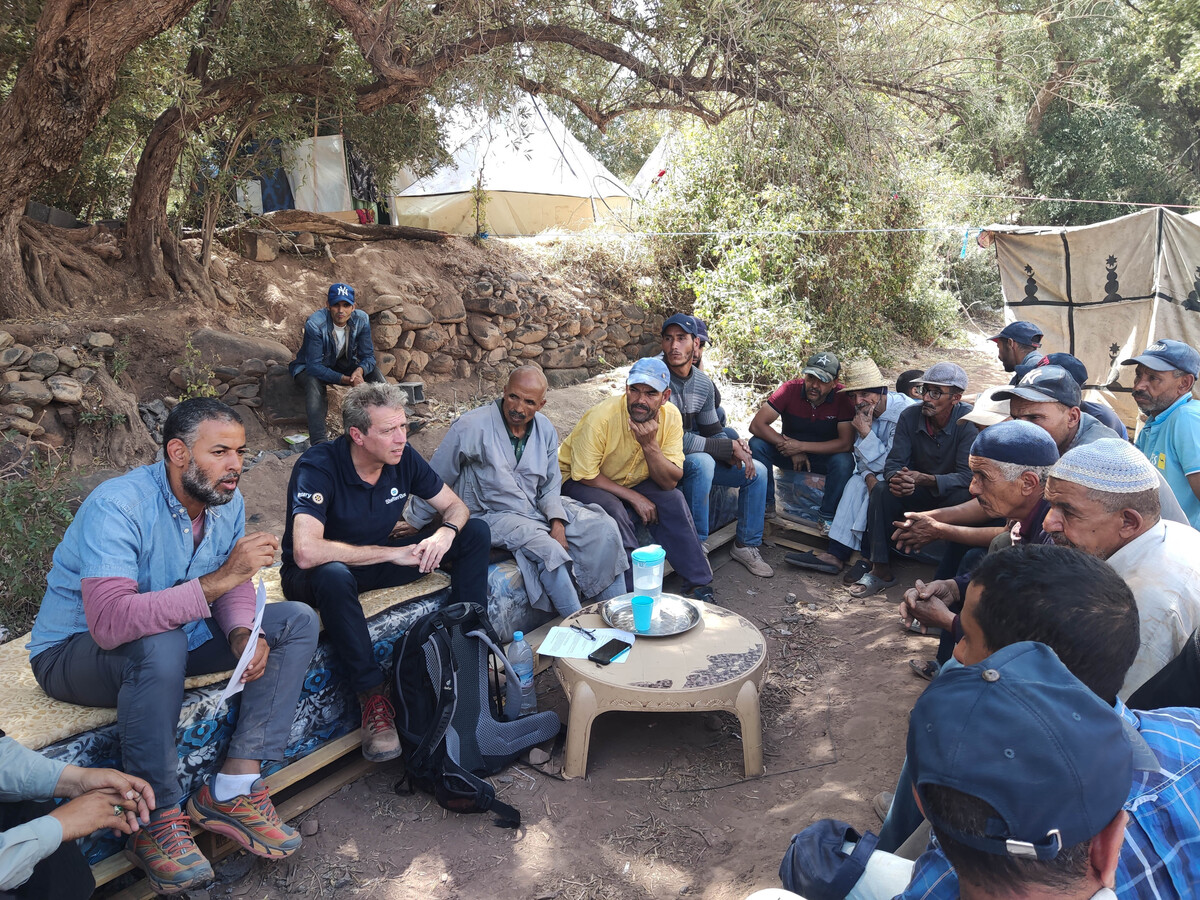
pixel 455 725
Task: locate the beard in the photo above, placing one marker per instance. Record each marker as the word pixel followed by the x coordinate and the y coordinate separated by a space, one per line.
pixel 1148 405
pixel 1060 540
pixel 640 413
pixel 210 493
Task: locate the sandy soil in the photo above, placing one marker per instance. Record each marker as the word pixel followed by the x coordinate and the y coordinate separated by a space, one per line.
pixel 665 809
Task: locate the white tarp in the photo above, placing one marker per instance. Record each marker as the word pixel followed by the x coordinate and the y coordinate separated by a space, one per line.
pixel 316 170
pixel 534 173
pixel 1104 292
pixel 657 167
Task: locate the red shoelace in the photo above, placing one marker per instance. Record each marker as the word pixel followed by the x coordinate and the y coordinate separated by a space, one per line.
pixel 378 714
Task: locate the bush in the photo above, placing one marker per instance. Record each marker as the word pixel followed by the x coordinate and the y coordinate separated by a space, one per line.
pixel 37 498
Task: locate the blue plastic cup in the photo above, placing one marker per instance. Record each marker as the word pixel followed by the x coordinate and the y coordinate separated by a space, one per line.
pixel 643 612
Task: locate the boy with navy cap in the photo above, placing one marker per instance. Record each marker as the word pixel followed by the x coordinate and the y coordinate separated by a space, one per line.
pixel 1162 388
pixel 336 349
pixel 625 454
pixel 1017 345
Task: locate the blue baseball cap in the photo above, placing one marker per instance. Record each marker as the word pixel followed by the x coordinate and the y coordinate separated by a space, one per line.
pixel 651 371
pixel 684 321
pixel 1021 332
pixel 1072 364
pixel 341 293
pixel 1021 733
pixel 1044 384
pixel 1164 355
pixel 702 330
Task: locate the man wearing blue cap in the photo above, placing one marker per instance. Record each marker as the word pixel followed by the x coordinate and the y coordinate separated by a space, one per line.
pixel 711 456
pixel 336 349
pixel 1017 345
pixel 625 454
pixel 1162 389
pixel 1079 372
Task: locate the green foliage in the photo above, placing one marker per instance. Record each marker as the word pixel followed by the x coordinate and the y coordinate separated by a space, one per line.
pixel 120 359
pixel 36 502
pixel 197 374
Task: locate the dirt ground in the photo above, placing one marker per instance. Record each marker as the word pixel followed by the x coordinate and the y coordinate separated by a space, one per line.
pixel 665 810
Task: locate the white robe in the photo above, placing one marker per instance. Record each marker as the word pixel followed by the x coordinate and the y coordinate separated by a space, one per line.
pixel 870 453
pixel 518 500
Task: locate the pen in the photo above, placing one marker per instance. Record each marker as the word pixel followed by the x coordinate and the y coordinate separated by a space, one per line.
pixel 587 633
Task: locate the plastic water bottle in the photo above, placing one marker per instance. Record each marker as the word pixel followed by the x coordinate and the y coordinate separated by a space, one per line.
pixel 520 657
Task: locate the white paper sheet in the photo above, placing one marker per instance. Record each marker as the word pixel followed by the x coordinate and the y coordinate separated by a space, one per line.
pixel 235 680
pixel 570 644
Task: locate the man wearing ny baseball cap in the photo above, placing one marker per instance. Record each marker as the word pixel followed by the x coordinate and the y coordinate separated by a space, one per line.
pixel 1049 397
pixel 625 454
pixel 336 349
pixel 1162 388
pixel 1017 345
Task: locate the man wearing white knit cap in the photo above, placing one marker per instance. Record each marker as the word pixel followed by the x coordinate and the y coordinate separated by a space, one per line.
pixel 1104 500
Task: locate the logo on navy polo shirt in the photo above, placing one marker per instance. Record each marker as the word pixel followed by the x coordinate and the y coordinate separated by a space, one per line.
pixel 315 498
pixel 396 495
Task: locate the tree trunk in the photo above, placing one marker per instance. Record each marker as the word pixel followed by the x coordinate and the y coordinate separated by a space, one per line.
pixel 147 228
pixel 59 95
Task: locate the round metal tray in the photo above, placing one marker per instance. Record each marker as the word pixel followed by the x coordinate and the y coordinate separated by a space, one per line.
pixel 672 615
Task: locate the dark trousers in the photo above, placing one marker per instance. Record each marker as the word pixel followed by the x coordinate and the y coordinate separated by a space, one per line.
pixel 143 679
pixel 316 404
pixel 884 508
pixel 675 530
pixel 1176 684
pixel 334 588
pixel 836 467
pixel 63 875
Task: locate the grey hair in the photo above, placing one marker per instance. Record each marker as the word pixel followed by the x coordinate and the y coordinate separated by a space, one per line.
pixel 185 419
pixel 359 400
pixel 1145 503
pixel 1011 471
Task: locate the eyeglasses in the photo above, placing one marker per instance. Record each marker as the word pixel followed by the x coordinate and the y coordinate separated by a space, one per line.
pixel 933 393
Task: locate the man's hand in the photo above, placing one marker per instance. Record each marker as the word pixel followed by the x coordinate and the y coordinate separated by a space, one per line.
pixel 916 530
pixel 258 663
pixel 646 433
pixel 929 603
pixel 645 509
pixel 902 484
pixel 789 446
pixel 558 531
pixel 871 481
pixel 135 793
pixel 402 529
pixel 744 458
pixel 800 462
pixel 430 551
pixel 862 421
pixel 356 377
pixel 251 553
pixel 104 808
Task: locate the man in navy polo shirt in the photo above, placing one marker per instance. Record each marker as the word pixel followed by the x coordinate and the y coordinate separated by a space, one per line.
pixel 1162 388
pixel 1017 345
pixel 341 539
pixel 817 432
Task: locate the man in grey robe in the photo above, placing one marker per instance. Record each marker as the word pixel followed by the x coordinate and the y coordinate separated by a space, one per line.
pixel 502 460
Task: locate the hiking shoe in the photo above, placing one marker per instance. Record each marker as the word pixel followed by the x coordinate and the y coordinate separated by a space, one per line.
pixel 703 592
pixel 249 820
pixel 751 558
pixel 380 742
pixel 881 803
pixel 164 849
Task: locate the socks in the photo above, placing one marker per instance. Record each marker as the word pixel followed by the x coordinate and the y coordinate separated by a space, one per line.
pixel 226 787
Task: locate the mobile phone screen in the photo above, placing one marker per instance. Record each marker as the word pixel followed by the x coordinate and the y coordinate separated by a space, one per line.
pixel 609 651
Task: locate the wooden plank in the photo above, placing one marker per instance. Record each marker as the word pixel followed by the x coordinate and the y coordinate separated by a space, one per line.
pixel 796 525
pixel 117 864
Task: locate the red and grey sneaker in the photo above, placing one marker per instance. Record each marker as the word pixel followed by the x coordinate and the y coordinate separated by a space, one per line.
pixel 249 820
pixel 164 849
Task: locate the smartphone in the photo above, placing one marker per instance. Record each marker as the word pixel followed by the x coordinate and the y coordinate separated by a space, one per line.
pixel 609 651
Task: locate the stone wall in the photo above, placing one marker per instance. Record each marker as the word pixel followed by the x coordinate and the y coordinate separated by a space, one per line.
pixel 501 321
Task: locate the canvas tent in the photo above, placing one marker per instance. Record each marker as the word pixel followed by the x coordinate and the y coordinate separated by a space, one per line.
pixel 316 170
pixel 1104 292
pixel 534 175
pixel 656 168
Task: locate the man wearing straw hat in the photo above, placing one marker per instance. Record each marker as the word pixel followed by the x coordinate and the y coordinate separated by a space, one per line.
pixel 875 414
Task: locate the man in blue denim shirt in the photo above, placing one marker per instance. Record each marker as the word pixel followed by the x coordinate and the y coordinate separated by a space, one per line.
pixel 150 585
pixel 337 349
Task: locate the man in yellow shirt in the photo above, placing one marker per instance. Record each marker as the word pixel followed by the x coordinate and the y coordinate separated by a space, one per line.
pixel 626 456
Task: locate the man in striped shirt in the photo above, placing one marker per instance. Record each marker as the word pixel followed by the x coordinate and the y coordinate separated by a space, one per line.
pixel 710 455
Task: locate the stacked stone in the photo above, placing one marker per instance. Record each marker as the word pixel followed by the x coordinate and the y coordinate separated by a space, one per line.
pixel 501 321
pixel 239 385
pixel 41 388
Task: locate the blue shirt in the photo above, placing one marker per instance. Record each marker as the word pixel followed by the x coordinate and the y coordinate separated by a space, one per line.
pixel 1160 858
pixel 326 486
pixel 133 526
pixel 318 351
pixel 1171 440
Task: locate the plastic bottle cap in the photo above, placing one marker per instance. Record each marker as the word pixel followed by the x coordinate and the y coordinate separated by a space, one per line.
pixel 518 635
pixel 649 555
